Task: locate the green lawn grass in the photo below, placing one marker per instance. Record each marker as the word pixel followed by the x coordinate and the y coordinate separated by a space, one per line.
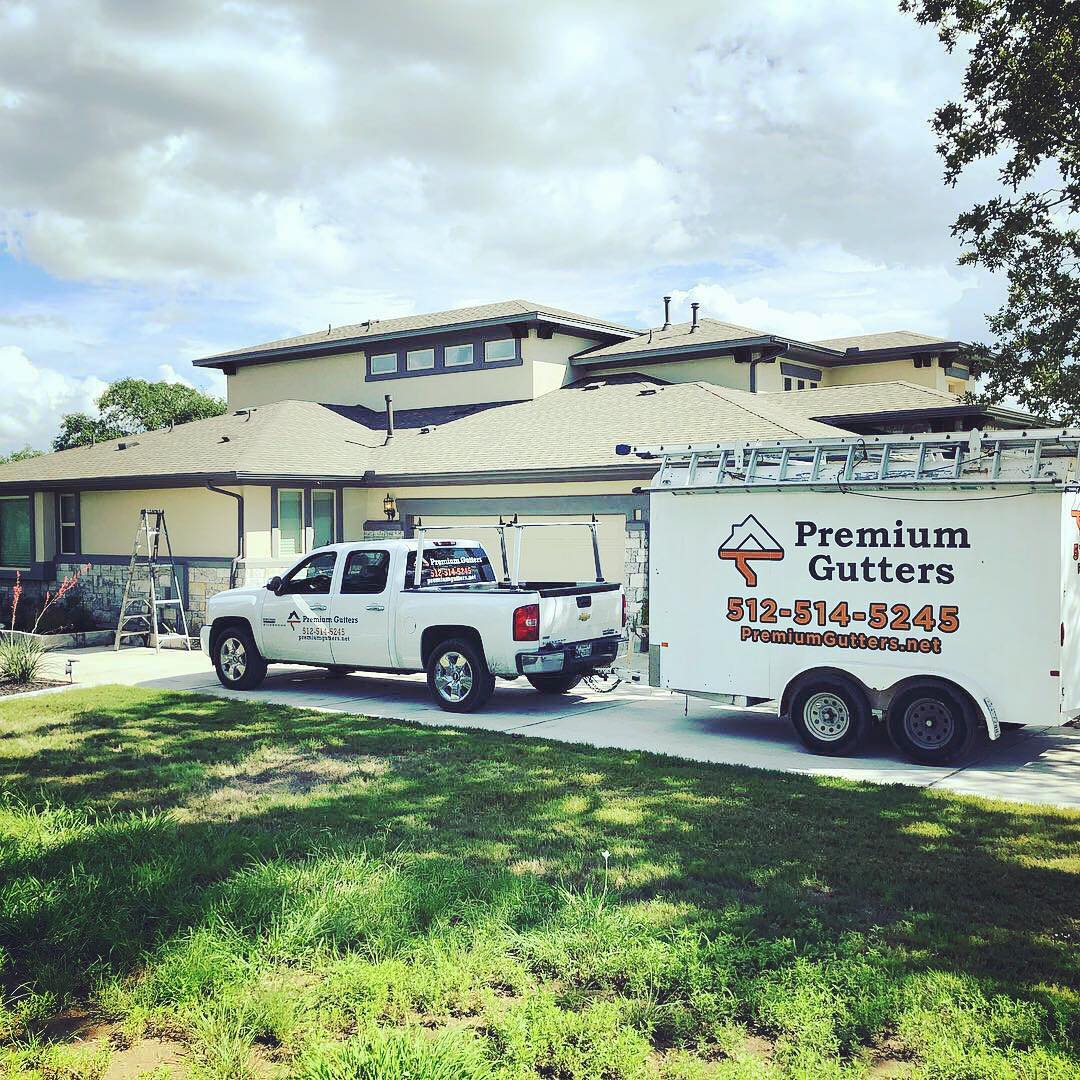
pixel 303 894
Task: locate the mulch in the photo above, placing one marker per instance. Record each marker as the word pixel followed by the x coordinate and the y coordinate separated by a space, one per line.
pixel 9 689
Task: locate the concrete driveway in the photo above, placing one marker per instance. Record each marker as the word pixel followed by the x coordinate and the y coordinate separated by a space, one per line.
pixel 1040 766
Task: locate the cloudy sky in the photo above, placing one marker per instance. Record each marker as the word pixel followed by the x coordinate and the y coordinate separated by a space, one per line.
pixel 182 177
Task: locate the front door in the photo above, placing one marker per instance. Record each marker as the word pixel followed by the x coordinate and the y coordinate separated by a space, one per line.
pixel 362 611
pixel 296 622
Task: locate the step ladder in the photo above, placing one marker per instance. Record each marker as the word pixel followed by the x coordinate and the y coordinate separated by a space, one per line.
pixel 1035 459
pixel 147 601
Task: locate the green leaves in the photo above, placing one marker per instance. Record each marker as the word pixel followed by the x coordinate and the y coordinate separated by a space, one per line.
pixel 1020 106
pixel 131 406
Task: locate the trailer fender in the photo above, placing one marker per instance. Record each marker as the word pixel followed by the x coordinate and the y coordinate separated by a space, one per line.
pixel 882 683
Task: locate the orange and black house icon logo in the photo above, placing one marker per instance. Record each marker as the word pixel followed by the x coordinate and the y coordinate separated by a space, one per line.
pixel 293 620
pixel 747 542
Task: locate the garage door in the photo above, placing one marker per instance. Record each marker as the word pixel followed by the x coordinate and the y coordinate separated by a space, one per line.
pixel 554 554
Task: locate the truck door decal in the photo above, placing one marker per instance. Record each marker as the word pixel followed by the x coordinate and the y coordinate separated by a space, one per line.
pixel 750 540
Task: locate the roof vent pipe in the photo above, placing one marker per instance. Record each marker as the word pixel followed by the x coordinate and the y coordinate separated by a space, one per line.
pixel 667 313
pixel 693 316
pixel 389 419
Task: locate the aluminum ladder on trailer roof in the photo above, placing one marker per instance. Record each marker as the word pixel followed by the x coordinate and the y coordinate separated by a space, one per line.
pixel 1037 459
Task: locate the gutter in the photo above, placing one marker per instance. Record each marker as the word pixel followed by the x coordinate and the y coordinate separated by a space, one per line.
pixel 239 529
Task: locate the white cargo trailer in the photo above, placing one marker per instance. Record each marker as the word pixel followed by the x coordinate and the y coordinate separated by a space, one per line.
pixel 930 581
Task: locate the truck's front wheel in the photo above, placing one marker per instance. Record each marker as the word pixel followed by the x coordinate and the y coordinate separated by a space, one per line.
pixel 237 660
pixel 830 715
pixel 458 676
pixel 559 683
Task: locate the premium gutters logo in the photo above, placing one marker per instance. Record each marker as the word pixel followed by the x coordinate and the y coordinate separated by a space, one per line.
pixel 748 542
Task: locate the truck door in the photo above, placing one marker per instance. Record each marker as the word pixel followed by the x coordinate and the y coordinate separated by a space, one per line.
pixel 296 621
pixel 361 611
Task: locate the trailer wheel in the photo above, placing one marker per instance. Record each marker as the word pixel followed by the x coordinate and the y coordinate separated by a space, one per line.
pixel 930 724
pixel 830 715
pixel 458 676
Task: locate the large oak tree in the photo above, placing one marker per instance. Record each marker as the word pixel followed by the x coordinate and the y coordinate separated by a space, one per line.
pixel 1020 108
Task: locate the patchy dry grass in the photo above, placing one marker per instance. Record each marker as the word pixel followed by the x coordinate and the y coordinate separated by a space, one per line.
pixel 225 890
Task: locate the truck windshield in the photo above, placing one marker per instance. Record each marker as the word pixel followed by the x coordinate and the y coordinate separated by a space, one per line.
pixel 450 566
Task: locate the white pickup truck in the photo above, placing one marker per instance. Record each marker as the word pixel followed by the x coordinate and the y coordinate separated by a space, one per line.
pixel 365 607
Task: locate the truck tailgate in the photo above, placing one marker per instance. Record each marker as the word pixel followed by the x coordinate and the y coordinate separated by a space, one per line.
pixel 577 615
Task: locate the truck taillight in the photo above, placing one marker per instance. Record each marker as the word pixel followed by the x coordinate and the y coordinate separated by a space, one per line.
pixel 527 623
pixel 624 609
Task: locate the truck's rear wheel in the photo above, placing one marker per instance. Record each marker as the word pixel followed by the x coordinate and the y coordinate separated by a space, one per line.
pixel 458 676
pixel 237 660
pixel 830 715
pixel 930 724
pixel 556 683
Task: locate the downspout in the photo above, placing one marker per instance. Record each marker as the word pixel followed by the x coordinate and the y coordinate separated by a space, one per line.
pixel 239 529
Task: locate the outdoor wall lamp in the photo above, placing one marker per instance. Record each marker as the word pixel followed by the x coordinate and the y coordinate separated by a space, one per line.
pixel 389 507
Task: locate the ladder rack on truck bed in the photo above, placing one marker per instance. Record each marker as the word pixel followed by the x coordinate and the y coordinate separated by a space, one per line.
pixel 950 460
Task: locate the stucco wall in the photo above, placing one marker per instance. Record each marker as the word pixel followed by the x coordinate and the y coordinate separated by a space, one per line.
pixel 200 522
pixel 888 371
pixel 550 358
pixel 336 379
pixel 719 370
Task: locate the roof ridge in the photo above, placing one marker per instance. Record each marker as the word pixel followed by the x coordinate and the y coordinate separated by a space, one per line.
pixel 781 422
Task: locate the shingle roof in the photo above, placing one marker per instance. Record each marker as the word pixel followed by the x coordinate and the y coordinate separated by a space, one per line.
pixel 506 309
pixel 575 427
pixel 860 398
pixel 891 339
pixel 678 335
pixel 579 426
pixel 286 438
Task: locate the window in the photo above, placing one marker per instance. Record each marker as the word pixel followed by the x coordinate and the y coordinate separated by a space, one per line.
pixel 802 384
pixel 787 383
pixel 15 531
pixel 419 359
pixel 383 364
pixel 450 566
pixel 312 577
pixel 457 355
pixel 69 524
pixel 323 506
pixel 290 522
pixel 365 572
pixel 500 350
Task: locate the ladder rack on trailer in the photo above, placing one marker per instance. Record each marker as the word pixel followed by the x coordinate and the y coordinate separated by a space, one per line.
pixel 950 460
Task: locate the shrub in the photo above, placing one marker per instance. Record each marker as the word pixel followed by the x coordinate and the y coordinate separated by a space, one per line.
pixel 21 657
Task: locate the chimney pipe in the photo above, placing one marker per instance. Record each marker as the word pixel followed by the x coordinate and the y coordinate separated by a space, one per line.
pixel 667 313
pixel 693 316
pixel 389 419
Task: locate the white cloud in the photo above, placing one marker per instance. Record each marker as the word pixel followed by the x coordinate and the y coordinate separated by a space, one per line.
pixel 167 373
pixel 36 397
pixel 259 168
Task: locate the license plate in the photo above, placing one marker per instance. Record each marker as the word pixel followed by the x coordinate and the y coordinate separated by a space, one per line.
pixel 584 649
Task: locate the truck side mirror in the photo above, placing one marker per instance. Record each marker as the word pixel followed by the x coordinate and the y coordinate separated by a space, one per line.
pixel 274 584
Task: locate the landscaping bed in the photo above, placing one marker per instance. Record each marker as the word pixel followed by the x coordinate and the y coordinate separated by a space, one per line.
pixel 230 889
pixel 9 689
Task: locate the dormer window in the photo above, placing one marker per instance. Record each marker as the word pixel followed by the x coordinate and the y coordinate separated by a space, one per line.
pixel 420 360
pixel 504 349
pixel 383 364
pixel 458 356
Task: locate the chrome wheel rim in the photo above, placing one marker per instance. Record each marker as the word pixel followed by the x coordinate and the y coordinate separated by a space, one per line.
pixel 453 676
pixel 827 716
pixel 233 659
pixel 929 723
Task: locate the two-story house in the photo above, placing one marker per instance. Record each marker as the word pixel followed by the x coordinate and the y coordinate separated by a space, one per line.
pixel 457 416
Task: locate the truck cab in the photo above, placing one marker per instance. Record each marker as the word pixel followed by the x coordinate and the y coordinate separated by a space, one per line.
pixel 366 606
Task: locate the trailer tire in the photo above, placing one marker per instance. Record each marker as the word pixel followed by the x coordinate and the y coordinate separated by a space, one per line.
pixel 830 715
pixel 458 676
pixel 237 660
pixel 931 723
pixel 560 683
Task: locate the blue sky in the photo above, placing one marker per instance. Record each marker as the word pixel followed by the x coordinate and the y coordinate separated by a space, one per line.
pixel 185 178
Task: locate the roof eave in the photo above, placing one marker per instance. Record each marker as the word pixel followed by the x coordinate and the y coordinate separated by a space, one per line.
pixel 355 344
pixel 662 353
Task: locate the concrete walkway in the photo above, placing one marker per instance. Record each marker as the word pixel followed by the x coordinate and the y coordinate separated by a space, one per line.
pixel 1040 766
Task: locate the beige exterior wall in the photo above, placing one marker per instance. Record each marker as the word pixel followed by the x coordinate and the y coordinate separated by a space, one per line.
pixel 200 522
pixel 333 379
pixel 256 522
pixel 889 371
pixel 550 360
